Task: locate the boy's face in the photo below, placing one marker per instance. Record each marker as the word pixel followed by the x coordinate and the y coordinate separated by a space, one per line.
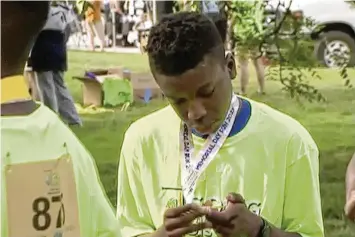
pixel 200 96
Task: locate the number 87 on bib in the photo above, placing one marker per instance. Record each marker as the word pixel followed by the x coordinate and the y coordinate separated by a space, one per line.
pixel 42 199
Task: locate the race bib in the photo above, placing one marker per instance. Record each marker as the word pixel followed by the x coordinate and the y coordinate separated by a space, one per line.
pixel 42 199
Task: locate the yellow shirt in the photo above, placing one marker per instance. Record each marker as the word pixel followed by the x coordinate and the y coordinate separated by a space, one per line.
pixel 93 14
pixel 49 182
pixel 272 163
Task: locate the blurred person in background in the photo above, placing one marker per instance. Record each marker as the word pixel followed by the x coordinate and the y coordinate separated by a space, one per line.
pixel 257 61
pixel 108 19
pixel 141 31
pixel 133 11
pixel 112 9
pixel 48 60
pixel 350 190
pixel 95 24
pixel 50 184
pixel 247 33
pixel 120 12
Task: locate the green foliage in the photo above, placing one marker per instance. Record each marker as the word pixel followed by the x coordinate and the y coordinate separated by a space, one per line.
pixel 281 41
pixel 246 19
pixel 284 39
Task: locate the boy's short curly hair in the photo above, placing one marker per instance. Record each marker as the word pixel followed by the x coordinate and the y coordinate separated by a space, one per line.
pixel 180 41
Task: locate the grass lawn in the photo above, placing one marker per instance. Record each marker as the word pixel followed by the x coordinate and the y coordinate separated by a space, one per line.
pixel 332 125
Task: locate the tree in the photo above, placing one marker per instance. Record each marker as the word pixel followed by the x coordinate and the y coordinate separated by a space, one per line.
pixel 292 65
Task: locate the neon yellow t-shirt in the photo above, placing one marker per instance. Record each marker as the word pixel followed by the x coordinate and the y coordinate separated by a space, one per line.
pixel 41 137
pixel 272 163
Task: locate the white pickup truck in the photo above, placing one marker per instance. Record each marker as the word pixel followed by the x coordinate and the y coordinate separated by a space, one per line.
pixel 335 39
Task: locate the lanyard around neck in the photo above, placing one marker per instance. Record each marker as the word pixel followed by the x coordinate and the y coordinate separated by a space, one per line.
pixel 191 171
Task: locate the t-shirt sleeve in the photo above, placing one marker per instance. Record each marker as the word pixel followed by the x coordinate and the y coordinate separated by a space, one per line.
pixel 302 207
pixel 132 205
pixel 99 217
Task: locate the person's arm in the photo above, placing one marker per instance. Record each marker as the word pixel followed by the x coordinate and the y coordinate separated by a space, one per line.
pixel 116 6
pixel 350 189
pixel 67 33
pixel 350 178
pixel 132 206
pixel 302 203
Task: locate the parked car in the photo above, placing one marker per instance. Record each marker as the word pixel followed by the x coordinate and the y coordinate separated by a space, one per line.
pixel 333 30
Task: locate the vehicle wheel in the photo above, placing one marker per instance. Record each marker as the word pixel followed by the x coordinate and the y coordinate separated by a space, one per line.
pixel 335 48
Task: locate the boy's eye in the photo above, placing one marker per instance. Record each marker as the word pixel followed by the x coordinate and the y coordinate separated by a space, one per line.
pixel 178 101
pixel 207 93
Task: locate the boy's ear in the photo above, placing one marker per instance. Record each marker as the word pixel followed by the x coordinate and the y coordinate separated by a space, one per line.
pixel 231 65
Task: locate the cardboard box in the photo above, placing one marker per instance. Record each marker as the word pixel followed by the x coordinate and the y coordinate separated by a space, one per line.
pixel 91 91
pixel 143 85
pixel 92 87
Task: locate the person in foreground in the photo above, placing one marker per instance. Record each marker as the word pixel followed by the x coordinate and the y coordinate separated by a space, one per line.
pixel 243 168
pixel 350 190
pixel 49 181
